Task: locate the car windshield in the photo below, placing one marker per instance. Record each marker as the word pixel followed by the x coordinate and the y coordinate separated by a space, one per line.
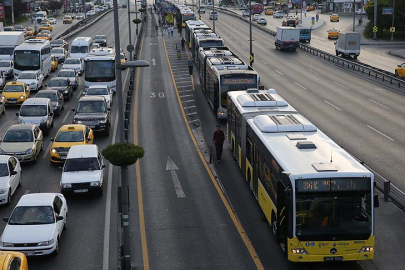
pixel 4 64
pixel 58 83
pixel 57 50
pixel 3 169
pixel 79 49
pixel 32 215
pixel 99 37
pixel 13 88
pixel 69 136
pixel 81 164
pixel 27 76
pixel 66 73
pixel 18 136
pixel 51 96
pixel 91 107
pixel 33 110
pixel 97 91
pixel 72 61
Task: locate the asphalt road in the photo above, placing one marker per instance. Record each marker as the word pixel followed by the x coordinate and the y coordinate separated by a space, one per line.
pixel 82 244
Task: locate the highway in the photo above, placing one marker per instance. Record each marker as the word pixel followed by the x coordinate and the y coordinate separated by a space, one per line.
pixel 82 244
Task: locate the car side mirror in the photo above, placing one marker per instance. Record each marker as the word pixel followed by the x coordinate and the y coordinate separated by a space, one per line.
pixel 13 173
pixel 51 114
pixel 5 219
pixel 103 166
pixel 376 201
pixel 17 114
pixel 73 109
pixel 59 218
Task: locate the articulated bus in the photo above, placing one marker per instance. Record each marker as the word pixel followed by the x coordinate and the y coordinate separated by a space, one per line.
pixel 205 53
pixel 198 33
pixel 186 15
pixel 100 68
pixel 317 198
pixel 191 26
pixel 205 40
pixel 33 54
pixel 220 79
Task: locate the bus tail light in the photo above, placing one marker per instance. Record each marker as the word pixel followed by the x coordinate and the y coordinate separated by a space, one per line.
pixel 297 251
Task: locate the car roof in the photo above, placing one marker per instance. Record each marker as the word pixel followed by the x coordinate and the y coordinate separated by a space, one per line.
pixel 37 199
pixel 37 101
pixel 15 83
pixel 75 127
pixel 66 69
pixel 59 79
pixel 21 127
pixel 92 98
pixel 83 151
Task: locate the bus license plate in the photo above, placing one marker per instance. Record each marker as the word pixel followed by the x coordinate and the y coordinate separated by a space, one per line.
pixel 333 259
pixel 80 190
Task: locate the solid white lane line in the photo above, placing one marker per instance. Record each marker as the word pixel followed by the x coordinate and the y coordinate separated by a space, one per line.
pixel 336 107
pixel 379 132
pixel 300 85
pixel 263 62
pixel 47 150
pixel 187 101
pixel 107 223
pixel 295 62
pixel 340 85
pixel 279 72
pixel 313 71
pixel 378 103
pixel 66 116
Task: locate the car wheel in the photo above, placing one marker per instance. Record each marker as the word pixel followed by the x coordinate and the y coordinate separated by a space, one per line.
pixel 34 159
pixel 107 131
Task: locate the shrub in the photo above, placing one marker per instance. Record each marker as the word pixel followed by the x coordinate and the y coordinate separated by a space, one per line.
pixel 123 154
pixel 136 21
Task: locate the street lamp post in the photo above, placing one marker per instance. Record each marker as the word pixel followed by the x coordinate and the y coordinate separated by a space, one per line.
pixel 129 28
pixel 213 15
pixel 250 32
pixel 393 17
pixel 354 14
pixel 375 17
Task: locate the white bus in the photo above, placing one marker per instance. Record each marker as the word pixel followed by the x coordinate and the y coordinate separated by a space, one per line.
pixel 33 54
pixel 100 68
pixel 81 47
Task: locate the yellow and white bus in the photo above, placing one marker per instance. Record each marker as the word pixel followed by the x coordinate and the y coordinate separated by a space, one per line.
pixel 317 198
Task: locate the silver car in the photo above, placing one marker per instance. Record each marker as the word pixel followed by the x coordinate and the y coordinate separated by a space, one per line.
pixel 71 74
pixel 76 64
pixel 6 66
pixel 24 141
pixel 60 54
pixel 2 105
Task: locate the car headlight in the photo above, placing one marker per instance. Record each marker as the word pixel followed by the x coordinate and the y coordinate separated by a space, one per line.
pixel 33 84
pixel 6 244
pixel 22 97
pixel 28 152
pixel 66 91
pixel 66 185
pixel 2 191
pixel 43 120
pixel 367 249
pixel 46 243
pixel 53 151
pixel 102 121
pixel 95 184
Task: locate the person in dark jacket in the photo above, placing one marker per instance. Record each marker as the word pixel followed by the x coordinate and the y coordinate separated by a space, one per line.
pixel 219 139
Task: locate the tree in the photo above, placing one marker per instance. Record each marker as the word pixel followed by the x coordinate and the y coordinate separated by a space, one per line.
pixel 55 5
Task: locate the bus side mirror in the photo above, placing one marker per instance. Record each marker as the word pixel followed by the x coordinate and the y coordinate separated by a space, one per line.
pixel 376 201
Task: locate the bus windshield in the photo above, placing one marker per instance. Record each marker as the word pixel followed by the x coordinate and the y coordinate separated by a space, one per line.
pixel 333 215
pixel 79 49
pixel 100 71
pixel 27 60
pixel 236 82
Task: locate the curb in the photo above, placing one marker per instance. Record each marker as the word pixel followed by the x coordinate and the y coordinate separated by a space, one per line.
pixel 396 55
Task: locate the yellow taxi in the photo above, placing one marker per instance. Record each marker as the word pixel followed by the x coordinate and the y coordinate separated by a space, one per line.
pixel 400 70
pixel 269 11
pixel 54 63
pixel 333 33
pixel 29 31
pixel 43 36
pixel 45 26
pixel 16 92
pixel 334 18
pixel 13 260
pixel 67 136
pixel 67 19
pixel 123 59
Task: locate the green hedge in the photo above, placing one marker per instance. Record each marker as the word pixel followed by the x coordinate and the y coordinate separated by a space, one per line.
pixel 123 154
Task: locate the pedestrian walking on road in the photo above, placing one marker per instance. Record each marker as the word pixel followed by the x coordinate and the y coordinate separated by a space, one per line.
pixel 219 139
pixel 183 41
pixel 317 17
pixel 190 64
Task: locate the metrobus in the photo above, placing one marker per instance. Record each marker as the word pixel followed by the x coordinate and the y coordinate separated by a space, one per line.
pixel 100 68
pixel 200 33
pixel 81 47
pixel 317 198
pixel 204 53
pixel 186 15
pixel 220 79
pixel 206 40
pixel 33 54
pixel 190 27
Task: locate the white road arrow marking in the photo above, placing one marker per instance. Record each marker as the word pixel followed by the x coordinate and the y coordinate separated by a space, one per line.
pixel 172 167
pixel 153 61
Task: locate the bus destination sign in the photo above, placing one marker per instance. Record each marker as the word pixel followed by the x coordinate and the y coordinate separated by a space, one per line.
pixel 332 185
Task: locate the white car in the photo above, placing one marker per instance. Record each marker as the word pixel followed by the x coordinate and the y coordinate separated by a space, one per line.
pixel 223 7
pixel 10 177
pixel 262 21
pixel 213 15
pixel 90 13
pixel 71 74
pixel 6 67
pixel 76 64
pixel 361 12
pixel 60 54
pixel 32 78
pixel 36 224
pixel 255 17
pixel 100 90
pixel 52 20
pixel 278 14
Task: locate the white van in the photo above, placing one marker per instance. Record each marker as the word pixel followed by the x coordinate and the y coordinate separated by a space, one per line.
pixel 80 47
pixel 83 171
pixel 37 111
pixel 40 16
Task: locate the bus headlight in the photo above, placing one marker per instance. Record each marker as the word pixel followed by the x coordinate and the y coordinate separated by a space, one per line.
pixel 367 249
pixel 298 251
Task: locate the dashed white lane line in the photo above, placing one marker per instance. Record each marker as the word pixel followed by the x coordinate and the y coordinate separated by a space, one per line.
pixel 278 53
pixel 243 47
pixel 378 103
pixel 279 72
pixel 334 106
pixel 313 71
pixel 295 62
pixel 263 62
pixel 237 41
pixel 79 94
pixel 379 132
pixel 340 85
pixel 300 85
pixel 66 116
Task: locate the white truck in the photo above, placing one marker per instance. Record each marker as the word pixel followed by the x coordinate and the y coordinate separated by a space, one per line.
pixel 287 38
pixel 8 41
pixel 348 44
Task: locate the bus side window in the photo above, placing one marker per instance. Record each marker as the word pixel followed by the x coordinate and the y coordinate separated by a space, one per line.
pixel 248 149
